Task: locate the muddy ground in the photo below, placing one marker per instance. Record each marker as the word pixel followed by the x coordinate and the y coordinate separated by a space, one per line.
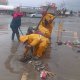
pixel 62 60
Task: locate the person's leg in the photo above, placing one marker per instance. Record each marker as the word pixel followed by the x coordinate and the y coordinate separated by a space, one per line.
pixel 17 34
pixel 13 34
pixel 41 49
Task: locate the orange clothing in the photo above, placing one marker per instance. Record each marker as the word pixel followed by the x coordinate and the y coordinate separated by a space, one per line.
pixel 46 29
pixel 38 41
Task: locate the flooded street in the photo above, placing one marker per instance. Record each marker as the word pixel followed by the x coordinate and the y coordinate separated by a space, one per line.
pixel 62 60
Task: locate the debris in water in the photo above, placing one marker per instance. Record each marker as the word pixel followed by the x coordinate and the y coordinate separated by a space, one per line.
pixel 45 74
pixel 59 43
pixel 30 62
pixel 39 68
pixel 77 42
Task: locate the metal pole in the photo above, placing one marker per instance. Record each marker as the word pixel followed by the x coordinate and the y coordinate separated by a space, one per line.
pixel 21 31
pixel 42 17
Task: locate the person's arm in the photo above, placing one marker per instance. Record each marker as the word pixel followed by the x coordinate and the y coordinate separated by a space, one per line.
pixel 23 38
pixel 34 42
pixel 20 14
pixel 12 13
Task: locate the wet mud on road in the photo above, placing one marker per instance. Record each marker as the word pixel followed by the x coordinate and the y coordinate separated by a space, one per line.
pixel 62 60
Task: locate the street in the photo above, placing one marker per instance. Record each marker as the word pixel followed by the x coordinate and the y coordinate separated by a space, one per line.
pixel 61 60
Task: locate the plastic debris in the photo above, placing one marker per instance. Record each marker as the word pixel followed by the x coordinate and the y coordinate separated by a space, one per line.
pixel 59 43
pixel 69 44
pixel 50 74
pixel 38 63
pixel 39 68
pixel 43 75
pixel 30 62
pixel 77 42
pixel 46 74
pixel 25 59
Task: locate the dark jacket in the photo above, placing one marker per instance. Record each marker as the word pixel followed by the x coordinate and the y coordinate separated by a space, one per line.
pixel 16 21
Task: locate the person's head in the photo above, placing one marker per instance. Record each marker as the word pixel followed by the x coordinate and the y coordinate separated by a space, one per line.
pixel 30 30
pixel 17 9
pixel 48 19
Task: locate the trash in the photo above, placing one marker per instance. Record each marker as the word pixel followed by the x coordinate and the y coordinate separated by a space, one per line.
pixel 64 30
pixel 40 68
pixel 43 75
pixel 25 59
pixel 50 74
pixel 69 44
pixel 77 42
pixel 38 63
pixel 30 62
pixel 59 43
pixel 24 76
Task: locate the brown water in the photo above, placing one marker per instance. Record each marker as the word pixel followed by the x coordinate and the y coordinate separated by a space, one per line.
pixel 62 60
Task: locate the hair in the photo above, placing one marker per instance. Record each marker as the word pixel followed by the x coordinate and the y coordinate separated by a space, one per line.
pixel 17 9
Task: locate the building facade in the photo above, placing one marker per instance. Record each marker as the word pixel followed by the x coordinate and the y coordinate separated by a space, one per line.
pixel 3 2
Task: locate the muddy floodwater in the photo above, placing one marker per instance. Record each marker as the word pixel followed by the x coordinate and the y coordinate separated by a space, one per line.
pixel 62 60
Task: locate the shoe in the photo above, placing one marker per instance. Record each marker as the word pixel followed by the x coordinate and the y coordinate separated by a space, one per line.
pixel 12 39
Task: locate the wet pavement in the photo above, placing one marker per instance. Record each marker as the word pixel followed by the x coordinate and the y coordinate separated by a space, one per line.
pixel 62 60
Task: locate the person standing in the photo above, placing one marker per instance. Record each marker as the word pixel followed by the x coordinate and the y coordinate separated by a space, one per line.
pixel 16 22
